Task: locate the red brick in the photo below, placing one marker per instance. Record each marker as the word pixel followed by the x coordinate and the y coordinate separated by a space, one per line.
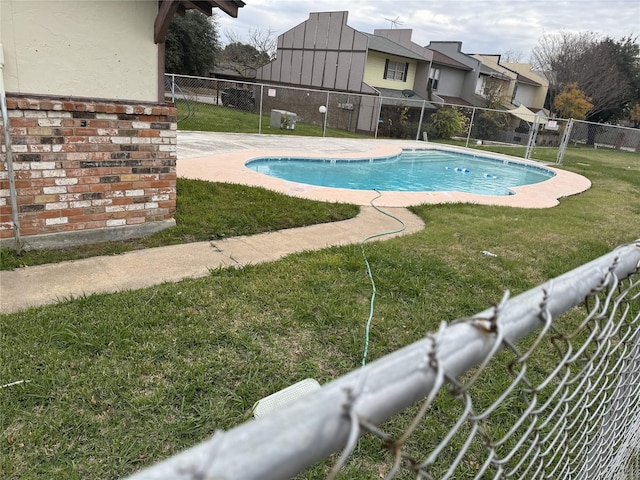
pixel 87 147
pixel 100 187
pixel 121 186
pixel 28 231
pixel 100 123
pixel 99 156
pixel 21 184
pixel 78 188
pixel 71 212
pixel 135 220
pixel 87 181
pixel 23 122
pixel 88 132
pixel 75 139
pixel 50 214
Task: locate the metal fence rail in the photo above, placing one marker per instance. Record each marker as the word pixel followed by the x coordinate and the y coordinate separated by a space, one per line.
pixel 544 385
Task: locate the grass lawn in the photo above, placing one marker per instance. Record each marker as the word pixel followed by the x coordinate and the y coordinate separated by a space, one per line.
pixel 120 381
pixel 214 118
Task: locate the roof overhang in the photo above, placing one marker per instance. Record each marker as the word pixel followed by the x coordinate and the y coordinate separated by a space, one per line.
pixel 405 98
pixel 168 8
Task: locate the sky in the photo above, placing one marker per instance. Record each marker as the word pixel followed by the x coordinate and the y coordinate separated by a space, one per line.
pixel 483 26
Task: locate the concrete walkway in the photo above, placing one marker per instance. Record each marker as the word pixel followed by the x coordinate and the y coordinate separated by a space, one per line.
pixel 46 284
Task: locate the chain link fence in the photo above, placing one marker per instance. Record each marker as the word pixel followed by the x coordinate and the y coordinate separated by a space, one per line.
pixel 544 385
pixel 589 135
pixel 261 108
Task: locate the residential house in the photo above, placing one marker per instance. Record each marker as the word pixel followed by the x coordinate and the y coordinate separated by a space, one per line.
pixel 513 86
pixel 530 89
pixel 373 70
pixel 454 74
pixel 90 150
pixel 495 82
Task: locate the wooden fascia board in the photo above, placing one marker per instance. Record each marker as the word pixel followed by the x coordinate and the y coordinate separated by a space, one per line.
pixel 166 10
pixel 202 6
pixel 227 6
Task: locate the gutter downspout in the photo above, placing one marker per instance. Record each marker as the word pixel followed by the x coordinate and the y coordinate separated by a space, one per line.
pixel 7 141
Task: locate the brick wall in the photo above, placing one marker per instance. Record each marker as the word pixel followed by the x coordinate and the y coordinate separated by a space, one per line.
pixel 88 165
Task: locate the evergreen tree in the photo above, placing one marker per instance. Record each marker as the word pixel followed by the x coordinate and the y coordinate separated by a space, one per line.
pixel 191 44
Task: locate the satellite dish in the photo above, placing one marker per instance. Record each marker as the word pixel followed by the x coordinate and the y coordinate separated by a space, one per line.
pixel 408 93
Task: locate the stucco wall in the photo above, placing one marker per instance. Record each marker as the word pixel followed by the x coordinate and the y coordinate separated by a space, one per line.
pixel 99 49
pixel 374 72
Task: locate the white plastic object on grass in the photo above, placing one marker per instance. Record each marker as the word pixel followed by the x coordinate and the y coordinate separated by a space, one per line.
pixel 287 395
pixel 489 254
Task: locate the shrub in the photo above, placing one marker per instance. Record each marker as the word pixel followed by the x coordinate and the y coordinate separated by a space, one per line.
pixel 445 123
pixel 488 124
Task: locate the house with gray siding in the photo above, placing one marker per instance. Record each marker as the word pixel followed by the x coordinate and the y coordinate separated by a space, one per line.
pixel 325 53
pixel 456 73
pixel 381 71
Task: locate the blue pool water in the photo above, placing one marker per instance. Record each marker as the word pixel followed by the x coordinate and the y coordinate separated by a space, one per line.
pixel 411 171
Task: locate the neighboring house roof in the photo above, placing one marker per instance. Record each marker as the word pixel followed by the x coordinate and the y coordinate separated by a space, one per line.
pixel 486 70
pixel 527 81
pixel 233 71
pixel 398 97
pixel 393 93
pixel 442 59
pixel 384 45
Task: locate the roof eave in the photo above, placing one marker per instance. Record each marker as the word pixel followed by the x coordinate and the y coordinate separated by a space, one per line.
pixel 168 8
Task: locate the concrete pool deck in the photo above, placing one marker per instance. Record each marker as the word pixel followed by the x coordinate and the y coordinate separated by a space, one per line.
pixel 221 157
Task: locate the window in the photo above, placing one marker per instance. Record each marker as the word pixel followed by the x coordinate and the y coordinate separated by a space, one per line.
pixel 395 70
pixel 434 76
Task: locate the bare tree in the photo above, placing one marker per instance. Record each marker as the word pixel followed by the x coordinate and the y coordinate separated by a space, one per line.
pixel 589 60
pixel 512 56
pixel 263 40
pixel 244 56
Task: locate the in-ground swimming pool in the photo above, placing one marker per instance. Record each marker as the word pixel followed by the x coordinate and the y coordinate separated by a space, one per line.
pixel 411 171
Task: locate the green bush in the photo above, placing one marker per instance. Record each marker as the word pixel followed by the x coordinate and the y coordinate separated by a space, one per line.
pixel 445 123
pixel 488 124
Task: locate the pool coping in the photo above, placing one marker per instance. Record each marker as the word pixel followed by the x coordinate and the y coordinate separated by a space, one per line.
pixel 229 167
